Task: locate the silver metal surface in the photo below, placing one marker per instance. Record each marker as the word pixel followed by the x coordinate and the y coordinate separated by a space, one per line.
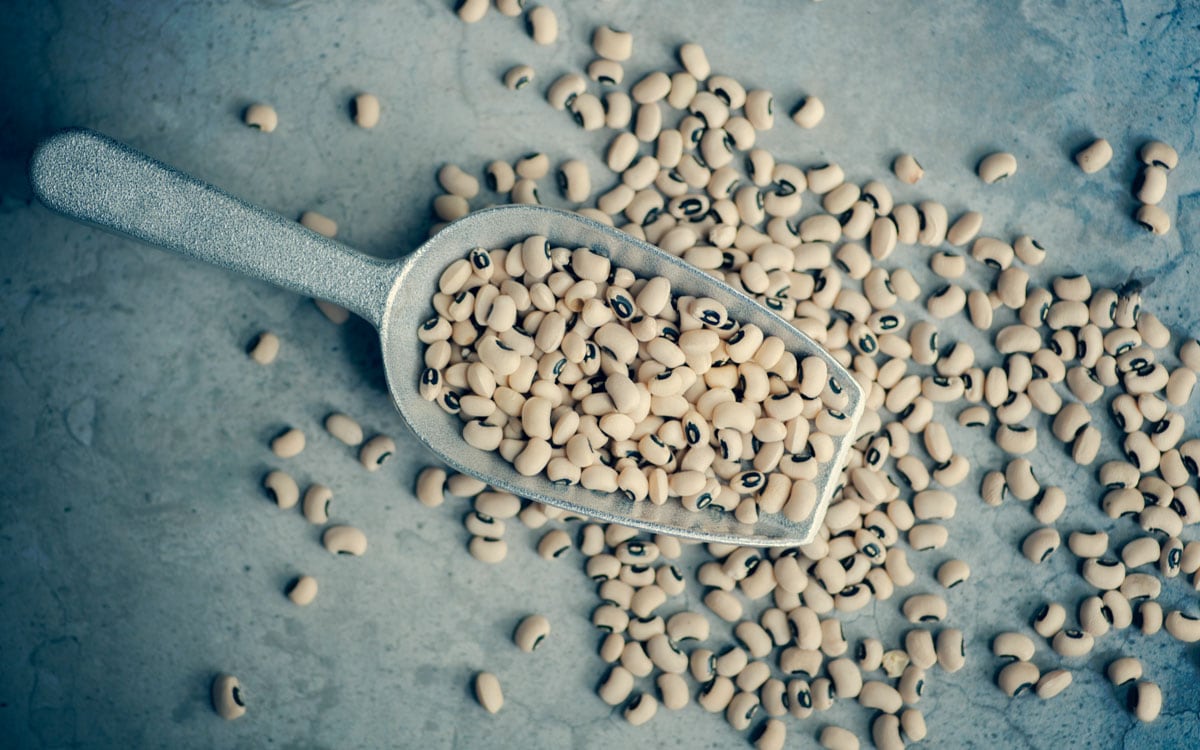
pixel 93 178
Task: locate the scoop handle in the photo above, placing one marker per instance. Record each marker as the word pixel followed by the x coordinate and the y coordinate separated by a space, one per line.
pixel 93 178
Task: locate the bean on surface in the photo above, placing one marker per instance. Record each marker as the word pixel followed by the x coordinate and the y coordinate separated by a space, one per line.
pixel 228 699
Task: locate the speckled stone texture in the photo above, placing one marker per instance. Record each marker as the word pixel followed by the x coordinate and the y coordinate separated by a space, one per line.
pixel 138 555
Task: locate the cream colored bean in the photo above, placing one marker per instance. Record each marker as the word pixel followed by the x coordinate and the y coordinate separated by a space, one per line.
pixel 1088 544
pixel 1050 619
pixel 1072 643
pixel 880 696
pixel 518 77
pixel 1029 251
pixel 365 107
pixel 1159 154
pixel 1153 219
pixel 808 112
pixel 1017 678
pixel 344 428
pixel 344 540
pixel 283 489
pixel 612 44
pixel 228 698
pixel 1016 646
pixel 1040 544
pixel 1145 701
pixel 995 167
pixel 376 451
pixel 953 572
pixel 907 169
pixel 1150 185
pixel 1124 671
pixel 836 738
pixel 542 24
pixel 1182 627
pixel 1094 156
pixel 1053 683
pixel 1093 619
pixel 920 647
pixel 488 692
pixel 694 60
pixel 1016 439
pixel 316 504
pixel 261 117
pixel 302 591
pixel 265 348
pixel 288 443
pixel 487 550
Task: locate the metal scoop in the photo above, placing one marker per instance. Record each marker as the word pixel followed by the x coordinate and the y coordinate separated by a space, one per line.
pixel 92 178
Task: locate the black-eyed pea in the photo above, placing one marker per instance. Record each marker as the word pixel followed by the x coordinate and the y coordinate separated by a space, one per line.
pixel 1119 610
pixel 302 591
pixel 997 166
pixel 265 348
pixel 1103 573
pixel 1124 670
pixel 836 738
pixel 344 428
pixel 1071 643
pixel 228 699
pixel 673 690
pixel 283 489
pixel 1040 544
pixel 1086 544
pixel 1018 677
pixel 1050 505
pixel 1182 627
pixel 344 540
pixel 770 735
pixel 364 108
pixel 316 504
pixel 612 44
pixel 911 684
pixel 541 24
pixel 1094 617
pixel 1052 683
pixel 741 710
pixel 518 77
pixel 634 658
pixel 919 645
pixel 1020 480
pixel 1028 250
pixel 808 112
pixel 907 169
pixel 261 117
pixel 1145 701
pixel 1153 219
pixel 641 709
pixel 288 443
pixel 1094 156
pixel 1049 619
pixel 716 695
pixel 487 549
pixel 376 451
pixel 953 572
pixel 885 732
pixel 1138 586
pixel 880 696
pixel 1149 617
pixel 553 544
pixel 1151 184
pixel 1012 645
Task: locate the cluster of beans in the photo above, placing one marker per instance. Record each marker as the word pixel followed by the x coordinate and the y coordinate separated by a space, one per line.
pixel 1050 351
pixel 576 370
pixel 831 272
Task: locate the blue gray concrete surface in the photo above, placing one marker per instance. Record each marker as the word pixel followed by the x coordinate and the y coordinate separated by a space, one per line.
pixel 138 555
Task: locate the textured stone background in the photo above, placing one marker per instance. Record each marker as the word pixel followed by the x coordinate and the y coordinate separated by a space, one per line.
pixel 137 552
